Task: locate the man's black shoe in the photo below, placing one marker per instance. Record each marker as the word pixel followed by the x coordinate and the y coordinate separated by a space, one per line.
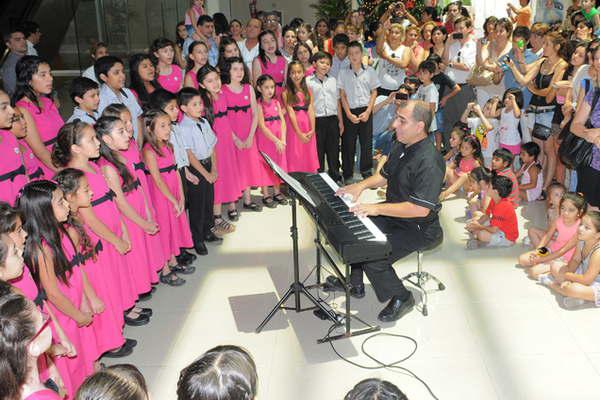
pixel 183 259
pixel 357 291
pixel 200 249
pixel 212 238
pixel 396 309
pixel 186 253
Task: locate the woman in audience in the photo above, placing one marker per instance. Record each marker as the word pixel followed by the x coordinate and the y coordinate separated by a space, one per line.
pixel 224 372
pixel 394 56
pixel 117 382
pixel 490 51
pixel 588 176
pixel 375 389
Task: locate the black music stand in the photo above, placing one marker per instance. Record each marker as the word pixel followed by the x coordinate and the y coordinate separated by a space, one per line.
pixel 296 191
pixel 297 287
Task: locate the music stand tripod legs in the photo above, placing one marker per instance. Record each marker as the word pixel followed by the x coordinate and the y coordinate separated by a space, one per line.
pixel 297 287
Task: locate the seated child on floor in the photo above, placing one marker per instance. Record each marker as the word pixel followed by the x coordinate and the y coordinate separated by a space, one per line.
pixel 502 161
pixel 478 199
pixel 530 174
pixel 555 193
pixel 456 137
pixel 498 227
pixel 465 161
pixel 579 280
pixel 558 243
pixel 482 124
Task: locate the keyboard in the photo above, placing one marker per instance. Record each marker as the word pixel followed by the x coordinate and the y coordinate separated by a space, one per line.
pixel 356 239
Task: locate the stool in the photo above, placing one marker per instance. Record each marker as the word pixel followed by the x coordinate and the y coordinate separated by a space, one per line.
pixel 422 277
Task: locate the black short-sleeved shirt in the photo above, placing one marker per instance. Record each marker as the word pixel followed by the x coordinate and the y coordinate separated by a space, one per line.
pixel 443 82
pixel 415 174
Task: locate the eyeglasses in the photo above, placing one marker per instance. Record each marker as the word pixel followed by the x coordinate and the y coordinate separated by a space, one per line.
pixel 271 20
pixel 45 324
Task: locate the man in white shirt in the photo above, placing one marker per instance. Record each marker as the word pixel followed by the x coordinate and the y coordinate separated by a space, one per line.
pixel 33 35
pixel 249 46
pixel 459 56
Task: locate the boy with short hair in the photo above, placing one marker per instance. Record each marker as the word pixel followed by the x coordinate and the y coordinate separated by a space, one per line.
pixel 199 141
pixel 427 92
pixel 358 89
pixel 447 89
pixel 329 123
pixel 502 161
pixel 340 56
pixel 498 227
pixel 85 96
pixel 110 72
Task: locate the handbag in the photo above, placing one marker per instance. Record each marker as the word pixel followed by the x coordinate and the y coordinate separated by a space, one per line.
pixel 541 131
pixel 575 151
pixel 480 77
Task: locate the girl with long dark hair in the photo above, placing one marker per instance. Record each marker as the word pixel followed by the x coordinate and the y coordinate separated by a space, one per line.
pixel 270 61
pixel 142 75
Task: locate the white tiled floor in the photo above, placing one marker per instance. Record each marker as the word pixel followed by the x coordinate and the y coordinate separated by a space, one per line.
pixel 492 334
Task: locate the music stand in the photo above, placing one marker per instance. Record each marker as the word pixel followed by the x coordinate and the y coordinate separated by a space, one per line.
pixel 296 191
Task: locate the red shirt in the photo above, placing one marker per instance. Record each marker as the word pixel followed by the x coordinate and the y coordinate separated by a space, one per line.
pixel 514 195
pixel 503 216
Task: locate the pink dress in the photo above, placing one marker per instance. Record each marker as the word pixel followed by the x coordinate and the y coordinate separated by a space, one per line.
pixel 228 187
pixel 26 284
pixel 273 122
pixel 465 166
pixel 174 230
pixel 74 370
pixel 239 109
pixel 48 122
pixel 193 77
pixel 564 234
pixel 137 259
pixel 110 266
pixel 108 325
pixel 172 82
pixel 45 394
pixel 301 157
pixel 153 242
pixel 33 167
pixel 277 72
pixel 12 171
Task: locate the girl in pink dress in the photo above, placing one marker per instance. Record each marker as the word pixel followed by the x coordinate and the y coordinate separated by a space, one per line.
pixel 24 337
pixel 303 54
pixel 76 145
pixel 34 88
pixel 243 116
pixel 270 61
pixel 170 76
pixel 134 158
pixel 12 170
pixel 129 198
pixel 228 187
pixel 166 191
pixel 50 251
pixel 109 324
pixel 196 59
pixel 301 147
pixel 272 138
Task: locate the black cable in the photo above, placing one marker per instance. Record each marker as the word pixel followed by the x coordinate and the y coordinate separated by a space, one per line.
pixel 382 365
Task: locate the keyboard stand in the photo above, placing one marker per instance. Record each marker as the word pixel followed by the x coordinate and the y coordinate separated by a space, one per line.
pixel 321 249
pixel 297 287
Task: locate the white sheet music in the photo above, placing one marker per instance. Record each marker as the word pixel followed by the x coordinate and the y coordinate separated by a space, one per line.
pixel 379 236
pixel 295 185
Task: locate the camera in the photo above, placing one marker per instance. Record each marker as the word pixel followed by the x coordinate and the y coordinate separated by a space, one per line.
pixel 542 251
pixel 401 96
pixel 458 35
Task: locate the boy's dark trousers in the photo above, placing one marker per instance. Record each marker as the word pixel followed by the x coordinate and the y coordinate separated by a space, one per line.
pixel 200 199
pixel 328 144
pixel 364 131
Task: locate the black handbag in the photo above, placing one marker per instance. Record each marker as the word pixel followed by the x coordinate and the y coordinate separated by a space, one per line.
pixel 574 151
pixel 541 132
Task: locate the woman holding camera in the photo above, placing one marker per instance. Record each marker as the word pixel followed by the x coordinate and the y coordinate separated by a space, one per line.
pixel 394 56
pixel 459 56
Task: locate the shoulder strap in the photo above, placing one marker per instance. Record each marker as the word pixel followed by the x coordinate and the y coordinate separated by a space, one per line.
pixel 588 85
pixel 596 98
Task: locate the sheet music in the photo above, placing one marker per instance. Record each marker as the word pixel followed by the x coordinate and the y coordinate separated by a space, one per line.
pixel 292 182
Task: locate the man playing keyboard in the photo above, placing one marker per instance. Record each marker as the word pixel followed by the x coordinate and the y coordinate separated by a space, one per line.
pixel 414 174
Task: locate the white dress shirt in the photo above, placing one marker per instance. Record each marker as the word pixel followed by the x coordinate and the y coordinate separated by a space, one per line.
pixel 325 95
pixel 358 85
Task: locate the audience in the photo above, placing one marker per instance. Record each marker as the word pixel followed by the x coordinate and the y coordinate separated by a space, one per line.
pixel 140 175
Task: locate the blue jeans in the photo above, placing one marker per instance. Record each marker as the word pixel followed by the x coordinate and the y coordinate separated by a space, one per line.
pixel 383 141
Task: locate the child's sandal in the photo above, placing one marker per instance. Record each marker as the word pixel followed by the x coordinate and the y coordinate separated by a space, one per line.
pixel 280 198
pixel 223 226
pixel 233 215
pixel 268 202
